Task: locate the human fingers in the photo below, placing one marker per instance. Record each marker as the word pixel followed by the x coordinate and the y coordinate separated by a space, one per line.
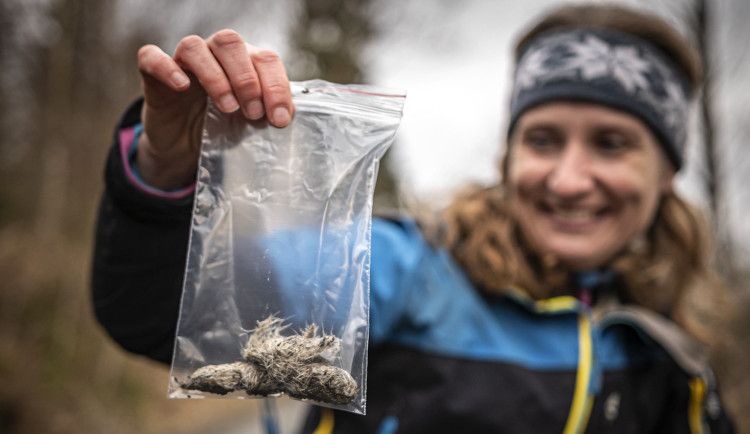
pixel 277 95
pixel 194 55
pixel 232 53
pixel 155 63
pixel 257 76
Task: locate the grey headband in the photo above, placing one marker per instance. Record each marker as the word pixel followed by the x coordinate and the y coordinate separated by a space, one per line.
pixel 605 67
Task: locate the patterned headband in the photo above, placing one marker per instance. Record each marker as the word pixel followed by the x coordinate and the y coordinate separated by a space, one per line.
pixel 610 68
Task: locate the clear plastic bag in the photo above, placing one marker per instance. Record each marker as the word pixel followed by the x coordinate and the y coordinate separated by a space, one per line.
pixel 279 260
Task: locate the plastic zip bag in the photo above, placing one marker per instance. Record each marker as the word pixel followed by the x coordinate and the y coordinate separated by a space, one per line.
pixel 276 291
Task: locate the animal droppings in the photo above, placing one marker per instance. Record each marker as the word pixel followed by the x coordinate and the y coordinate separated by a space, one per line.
pixel 299 366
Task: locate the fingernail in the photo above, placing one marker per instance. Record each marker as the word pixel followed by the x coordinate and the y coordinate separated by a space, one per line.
pixel 179 80
pixel 255 109
pixel 281 117
pixel 228 103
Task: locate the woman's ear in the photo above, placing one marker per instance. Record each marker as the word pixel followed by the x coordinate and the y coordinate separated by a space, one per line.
pixel 667 179
pixel 502 165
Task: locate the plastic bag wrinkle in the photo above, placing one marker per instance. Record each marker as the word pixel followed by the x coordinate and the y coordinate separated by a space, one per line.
pixel 281 232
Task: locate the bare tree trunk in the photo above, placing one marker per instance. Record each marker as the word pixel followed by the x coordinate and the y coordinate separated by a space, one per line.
pixel 706 104
pixel 54 167
pixel 714 184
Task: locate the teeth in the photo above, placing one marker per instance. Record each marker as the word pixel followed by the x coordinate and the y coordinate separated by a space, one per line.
pixel 573 215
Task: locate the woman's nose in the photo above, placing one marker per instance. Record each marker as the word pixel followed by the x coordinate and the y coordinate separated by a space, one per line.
pixel 571 175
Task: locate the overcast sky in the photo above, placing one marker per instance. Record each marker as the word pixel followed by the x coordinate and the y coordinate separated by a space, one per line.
pixel 453 59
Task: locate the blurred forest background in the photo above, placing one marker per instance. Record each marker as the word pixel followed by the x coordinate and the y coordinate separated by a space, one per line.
pixel 68 68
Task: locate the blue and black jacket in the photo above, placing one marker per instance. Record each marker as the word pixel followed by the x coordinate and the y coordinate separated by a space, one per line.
pixel 444 357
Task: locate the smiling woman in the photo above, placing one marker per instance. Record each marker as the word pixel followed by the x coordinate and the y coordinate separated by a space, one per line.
pixel 598 119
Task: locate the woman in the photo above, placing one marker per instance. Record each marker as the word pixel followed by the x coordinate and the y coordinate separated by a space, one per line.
pixel 553 302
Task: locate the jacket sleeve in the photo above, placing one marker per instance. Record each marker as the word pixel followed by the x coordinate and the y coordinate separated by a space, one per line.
pixel 140 248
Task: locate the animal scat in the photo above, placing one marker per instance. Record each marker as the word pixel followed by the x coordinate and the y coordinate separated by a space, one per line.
pixel 297 365
pixel 323 383
pixel 219 379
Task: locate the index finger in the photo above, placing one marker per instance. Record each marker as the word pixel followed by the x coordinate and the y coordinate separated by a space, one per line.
pixel 277 94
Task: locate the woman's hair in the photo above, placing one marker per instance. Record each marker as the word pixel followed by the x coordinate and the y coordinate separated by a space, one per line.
pixel 658 270
pixel 483 236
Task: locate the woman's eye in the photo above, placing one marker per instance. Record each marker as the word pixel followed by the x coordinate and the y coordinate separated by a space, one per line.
pixel 612 142
pixel 539 141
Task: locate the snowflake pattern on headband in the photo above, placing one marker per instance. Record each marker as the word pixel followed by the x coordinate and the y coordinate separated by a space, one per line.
pixel 581 56
pixel 596 59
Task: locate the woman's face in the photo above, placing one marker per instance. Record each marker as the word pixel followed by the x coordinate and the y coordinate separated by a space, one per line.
pixel 584 180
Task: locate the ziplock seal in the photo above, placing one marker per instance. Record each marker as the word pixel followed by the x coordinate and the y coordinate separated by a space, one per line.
pixel 362 98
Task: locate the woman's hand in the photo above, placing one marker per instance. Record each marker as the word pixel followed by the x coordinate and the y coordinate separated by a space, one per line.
pixel 235 75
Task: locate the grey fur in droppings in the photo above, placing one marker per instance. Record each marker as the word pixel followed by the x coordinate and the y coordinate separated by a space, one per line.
pixel 219 379
pixel 298 365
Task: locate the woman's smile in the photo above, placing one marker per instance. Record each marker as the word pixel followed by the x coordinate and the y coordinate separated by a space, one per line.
pixel 574 219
